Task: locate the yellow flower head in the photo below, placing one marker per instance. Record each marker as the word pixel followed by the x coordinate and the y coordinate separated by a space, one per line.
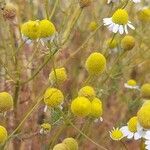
pixel 47 28
pixel 71 143
pixel 132 124
pixel 111 43
pixel 3 134
pixel 145 90
pixel 81 106
pixel 84 3
pixel 96 108
pixel 60 146
pixel 144 15
pixel 120 17
pixel 53 97
pixel 10 11
pixel 31 29
pixel 87 91
pixel 6 102
pixel 58 76
pixel 128 42
pixel 95 63
pixel 143 116
pixel 46 126
pixel 131 82
pixel 116 134
pixel 93 26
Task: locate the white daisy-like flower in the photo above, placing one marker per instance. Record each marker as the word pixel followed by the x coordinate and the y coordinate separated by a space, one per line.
pixel 118 22
pixel 116 134
pixel 133 129
pixel 131 84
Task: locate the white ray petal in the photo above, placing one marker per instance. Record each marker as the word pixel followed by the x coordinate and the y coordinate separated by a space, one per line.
pixel 121 30
pixel 131 26
pixel 115 28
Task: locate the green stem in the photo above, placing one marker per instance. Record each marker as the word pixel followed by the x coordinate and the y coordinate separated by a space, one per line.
pixel 54 8
pixel 82 46
pixel 25 118
pixel 40 68
pixel 57 135
pixel 84 135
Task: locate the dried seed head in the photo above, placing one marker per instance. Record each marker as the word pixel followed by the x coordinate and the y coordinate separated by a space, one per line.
pixel 84 3
pixel 9 11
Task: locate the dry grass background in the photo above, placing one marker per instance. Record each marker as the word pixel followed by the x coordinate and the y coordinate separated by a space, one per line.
pixel 119 103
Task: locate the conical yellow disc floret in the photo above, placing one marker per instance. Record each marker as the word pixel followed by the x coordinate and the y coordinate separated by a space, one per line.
pixel 132 124
pixel 143 116
pixel 47 28
pixel 31 29
pixel 81 106
pixel 145 90
pixel 58 76
pixel 3 134
pixel 96 108
pixel 120 17
pixel 6 102
pixel 128 42
pixel 60 146
pixel 131 82
pixel 87 91
pixel 71 143
pixel 53 97
pixel 144 14
pixel 95 63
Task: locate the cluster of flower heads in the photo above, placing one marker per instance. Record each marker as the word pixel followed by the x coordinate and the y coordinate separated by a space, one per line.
pixel 87 104
pixel 43 29
pixel 127 43
pixel 144 89
pixel 67 144
pixel 138 127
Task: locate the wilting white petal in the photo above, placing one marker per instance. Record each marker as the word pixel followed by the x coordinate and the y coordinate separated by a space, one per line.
pixel 110 27
pixel 131 26
pixel 125 29
pixel 147 142
pixel 137 136
pixel 115 28
pixel 121 30
pixel 148 147
pixel 130 136
pixel 107 21
pixel 147 135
